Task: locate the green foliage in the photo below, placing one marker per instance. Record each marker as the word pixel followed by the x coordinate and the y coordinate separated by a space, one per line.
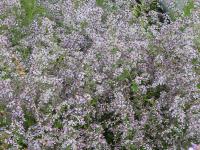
pixel 131 134
pixel 90 86
pixel 198 85
pixel 196 27
pixel 109 136
pixel 69 29
pixel 78 3
pixel 3 15
pixel 53 1
pixel 60 59
pixel 30 11
pixel 119 63
pixel 130 49
pixel 104 17
pixel 88 121
pixel 113 8
pixel 3 28
pixel 132 147
pixel 30 119
pixel 182 28
pixel 137 11
pixel 195 61
pixel 153 126
pixel 25 52
pixel 145 101
pixel 47 109
pixel 173 15
pixel 109 7
pixel 57 39
pixel 56 65
pixel 28 6
pixel 5 72
pixel 154 50
pixel 21 141
pixel 155 92
pixel 114 50
pixel 153 5
pixel 3 137
pixel 88 70
pixel 196 66
pixel 134 86
pixel 93 102
pixel 68 148
pixel 111 83
pixel 17 85
pixel 143 8
pixel 5 119
pixel 58 124
pixel 83 24
pixel 98 56
pixel 188 8
pixel 100 3
pixel 126 75
pixel 64 108
pixel 59 23
pixel 145 24
pixel 16 35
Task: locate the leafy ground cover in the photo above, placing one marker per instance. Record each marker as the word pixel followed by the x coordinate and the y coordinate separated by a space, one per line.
pixel 99 74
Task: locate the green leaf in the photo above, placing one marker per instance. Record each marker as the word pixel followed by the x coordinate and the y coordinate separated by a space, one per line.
pixel 58 124
pixel 134 86
pixel 188 8
pixel 173 15
pixel 154 5
pixel 22 142
pixel 5 119
pixel 114 50
pixel 93 102
pixel 30 119
pixel 137 11
pixel 100 3
pixel 31 9
pixel 124 76
pixel 16 36
pixel 25 52
pixel 68 147
pixel 198 85
pixel 132 147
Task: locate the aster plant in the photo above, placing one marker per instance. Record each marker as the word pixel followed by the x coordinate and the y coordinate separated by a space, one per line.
pixel 99 74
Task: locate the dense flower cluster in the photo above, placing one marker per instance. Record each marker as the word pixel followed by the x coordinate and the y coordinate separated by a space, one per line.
pixel 99 74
